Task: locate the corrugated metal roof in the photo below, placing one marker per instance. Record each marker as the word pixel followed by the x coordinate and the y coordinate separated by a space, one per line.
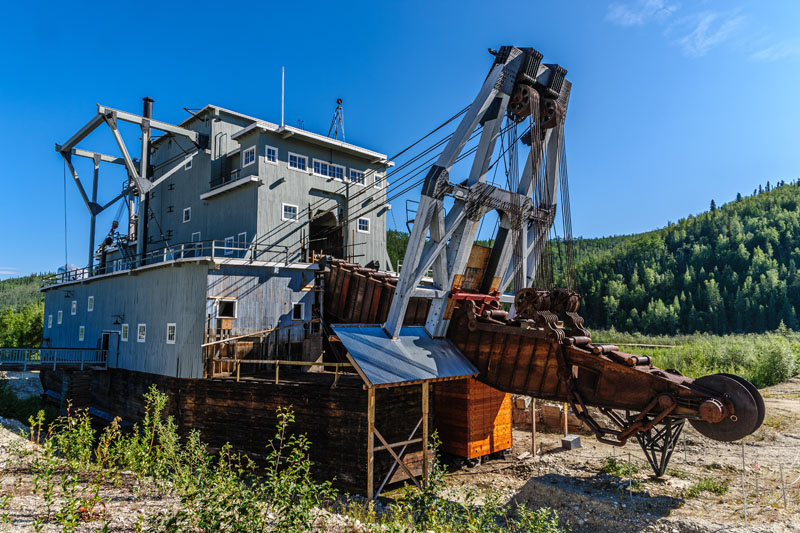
pixel 413 356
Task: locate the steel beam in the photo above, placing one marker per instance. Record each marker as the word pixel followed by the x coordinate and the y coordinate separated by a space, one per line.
pixel 80 135
pixel 68 160
pixel 93 218
pixel 103 157
pixel 174 169
pixel 143 186
pixel 154 124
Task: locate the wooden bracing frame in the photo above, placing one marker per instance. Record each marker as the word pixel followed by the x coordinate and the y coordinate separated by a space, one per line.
pixel 373 432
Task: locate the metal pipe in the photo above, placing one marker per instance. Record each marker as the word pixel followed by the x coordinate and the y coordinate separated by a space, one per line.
pixel 144 207
pixel 93 218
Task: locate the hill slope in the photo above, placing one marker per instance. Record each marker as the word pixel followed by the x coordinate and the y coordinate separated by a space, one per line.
pixel 21 291
pixel 732 269
pixel 21 311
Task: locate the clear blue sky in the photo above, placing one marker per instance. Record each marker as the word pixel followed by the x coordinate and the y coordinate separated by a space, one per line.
pixel 672 104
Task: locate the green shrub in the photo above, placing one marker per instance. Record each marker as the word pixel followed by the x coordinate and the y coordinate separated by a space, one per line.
pixel 707 484
pixel 615 467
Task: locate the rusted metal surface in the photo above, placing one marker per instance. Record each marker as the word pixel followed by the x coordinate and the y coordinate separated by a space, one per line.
pixel 358 295
pixel 545 352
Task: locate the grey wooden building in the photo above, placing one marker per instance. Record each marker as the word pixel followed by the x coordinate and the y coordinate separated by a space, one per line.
pixel 237 210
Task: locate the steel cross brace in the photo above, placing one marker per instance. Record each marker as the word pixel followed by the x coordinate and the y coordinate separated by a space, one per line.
pixel 444 251
pixel 444 243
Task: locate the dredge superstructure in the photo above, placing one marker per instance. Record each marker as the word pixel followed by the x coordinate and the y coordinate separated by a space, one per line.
pixel 254 275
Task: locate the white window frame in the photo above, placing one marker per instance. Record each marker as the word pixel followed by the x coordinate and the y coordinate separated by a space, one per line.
pixel 124 332
pixel 252 150
pixel 187 165
pixel 330 165
pixel 302 311
pixel 378 182
pixel 73 310
pixel 235 307
pixel 187 211
pixel 139 337
pixel 241 241
pixel 81 333
pixel 174 332
pixel 229 244
pixel 90 304
pixel 296 214
pixel 60 316
pixel 289 162
pixel 363 177
pixel 358 225
pixel 49 321
pixel 267 148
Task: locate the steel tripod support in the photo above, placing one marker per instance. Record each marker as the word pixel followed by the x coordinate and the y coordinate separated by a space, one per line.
pixel 659 442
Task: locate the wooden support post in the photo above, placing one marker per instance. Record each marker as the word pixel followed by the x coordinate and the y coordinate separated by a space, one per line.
pixel 533 427
pixel 566 427
pixel 370 441
pixel 425 389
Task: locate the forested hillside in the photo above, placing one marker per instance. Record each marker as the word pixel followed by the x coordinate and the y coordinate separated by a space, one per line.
pixel 731 269
pixel 21 311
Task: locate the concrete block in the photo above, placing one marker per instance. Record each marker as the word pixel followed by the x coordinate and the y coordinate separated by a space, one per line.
pixel 522 402
pixel 571 442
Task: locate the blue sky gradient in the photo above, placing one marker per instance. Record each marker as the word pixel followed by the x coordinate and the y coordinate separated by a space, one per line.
pixel 673 104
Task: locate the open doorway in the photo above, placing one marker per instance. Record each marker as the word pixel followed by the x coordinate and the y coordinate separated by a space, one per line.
pixel 326 236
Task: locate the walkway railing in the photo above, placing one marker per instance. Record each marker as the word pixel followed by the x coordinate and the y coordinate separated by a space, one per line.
pixel 225 249
pixel 27 358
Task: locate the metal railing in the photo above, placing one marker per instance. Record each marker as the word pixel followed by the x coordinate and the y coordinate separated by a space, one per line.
pixel 24 358
pixel 224 179
pixel 188 250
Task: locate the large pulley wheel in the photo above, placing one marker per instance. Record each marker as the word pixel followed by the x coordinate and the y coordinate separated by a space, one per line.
pixel 743 421
pixel 756 396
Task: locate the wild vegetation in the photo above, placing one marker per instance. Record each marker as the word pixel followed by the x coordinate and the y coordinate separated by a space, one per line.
pixel 227 491
pixel 21 311
pixel 763 359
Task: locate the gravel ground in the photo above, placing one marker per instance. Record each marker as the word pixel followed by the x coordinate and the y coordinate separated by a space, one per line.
pixel 590 501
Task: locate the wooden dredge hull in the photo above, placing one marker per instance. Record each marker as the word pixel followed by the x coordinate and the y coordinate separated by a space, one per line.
pixel 527 361
pixel 243 414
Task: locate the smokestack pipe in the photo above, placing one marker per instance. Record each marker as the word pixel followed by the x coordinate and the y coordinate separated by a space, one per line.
pixel 144 210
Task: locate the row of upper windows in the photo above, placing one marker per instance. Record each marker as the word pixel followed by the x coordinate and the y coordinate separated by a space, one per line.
pixel 300 162
pixel 141 332
pixel 319 168
pixel 73 310
pixel 291 213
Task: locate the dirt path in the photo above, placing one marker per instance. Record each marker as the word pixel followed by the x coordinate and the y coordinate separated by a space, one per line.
pixel 590 500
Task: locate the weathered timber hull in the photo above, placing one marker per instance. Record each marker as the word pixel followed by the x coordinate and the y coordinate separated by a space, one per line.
pixel 243 414
pixel 526 361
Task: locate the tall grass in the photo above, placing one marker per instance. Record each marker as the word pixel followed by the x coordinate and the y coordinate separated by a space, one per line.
pixel 764 359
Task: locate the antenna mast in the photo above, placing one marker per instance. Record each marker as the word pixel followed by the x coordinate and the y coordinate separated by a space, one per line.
pixel 338 121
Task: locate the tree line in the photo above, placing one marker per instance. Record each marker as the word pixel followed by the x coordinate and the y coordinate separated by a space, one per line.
pixel 733 269
pixel 22 311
